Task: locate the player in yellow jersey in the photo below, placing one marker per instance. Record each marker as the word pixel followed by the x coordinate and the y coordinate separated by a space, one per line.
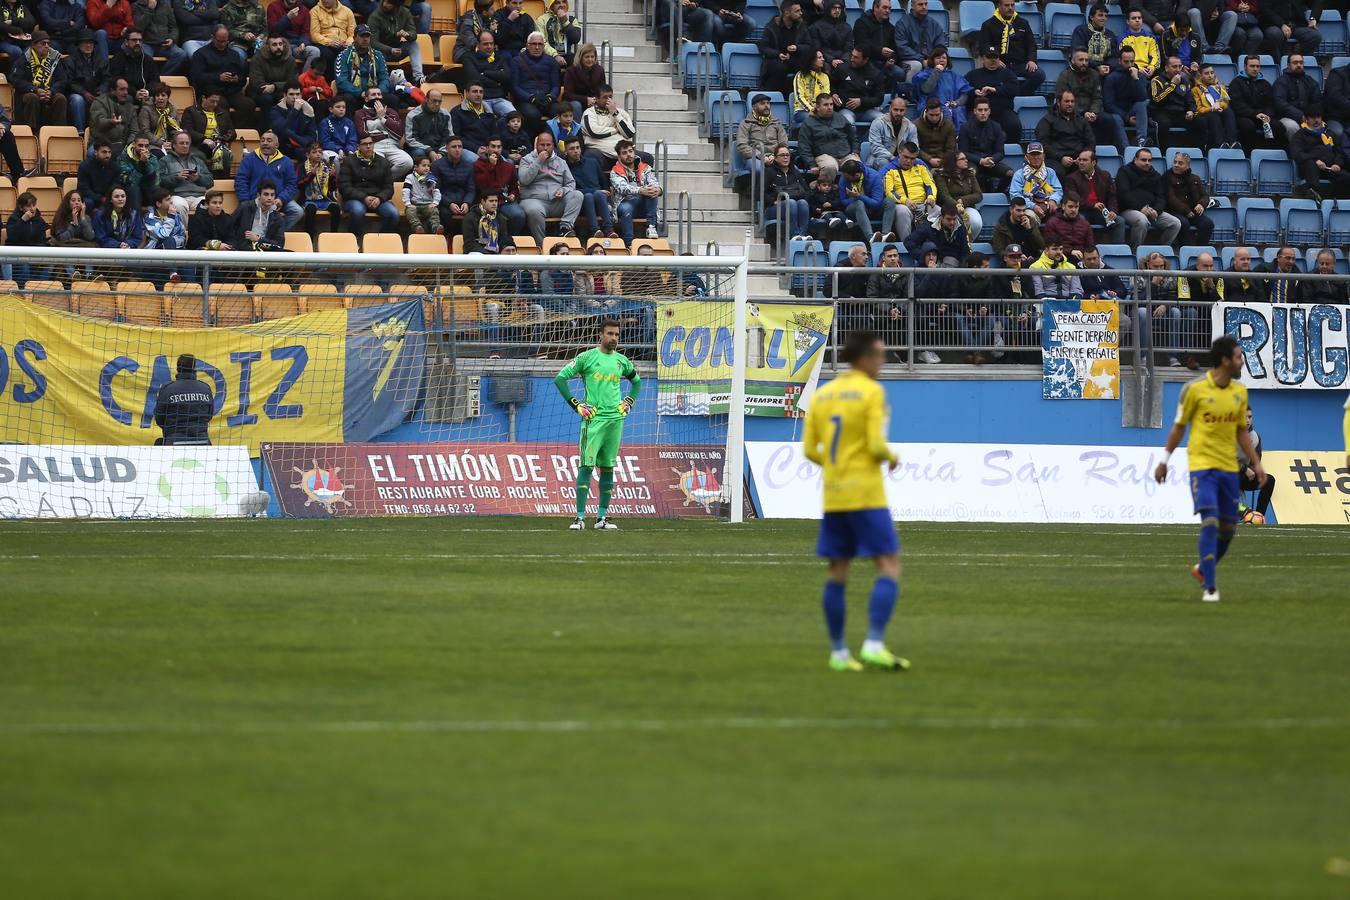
pixel 846 427
pixel 1215 408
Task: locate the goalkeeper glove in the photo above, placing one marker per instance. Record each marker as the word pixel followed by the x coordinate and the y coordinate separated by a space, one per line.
pixel 626 405
pixel 585 410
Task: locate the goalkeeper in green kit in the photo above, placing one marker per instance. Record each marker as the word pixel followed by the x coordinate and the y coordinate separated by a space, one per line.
pixel 602 412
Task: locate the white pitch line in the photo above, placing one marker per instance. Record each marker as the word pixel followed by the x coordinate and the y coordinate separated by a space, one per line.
pixel 566 726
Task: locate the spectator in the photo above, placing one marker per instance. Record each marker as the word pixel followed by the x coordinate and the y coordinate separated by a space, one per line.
pixel 62 20
pixel 937 135
pixel 1243 289
pixel 1199 293
pixel 1288 27
pixel 25 228
pixel 1282 290
pixel 365 185
pixel 1336 96
pixel 83 73
pixel 1179 41
pixel 247 22
pixel 469 27
pixel 1019 318
pixel 294 122
pixel 155 21
pixel 393 37
pixel 158 119
pixel 948 237
pixel 1070 229
pixel 492 71
pixel 1059 286
pixel 784 48
pixel 361 67
pixel 1323 163
pixel 1096 40
pixel 138 171
pixel 164 227
pixel 317 91
pixel 17 24
pixel 635 188
pixel 1247 475
pixel 134 63
pixel 1216 27
pixel 1211 108
pixel 473 121
pixel 512 25
pixel 112 117
pixel 874 35
pixel 1037 184
pixel 428 127
pixel 1142 195
pixel 975 320
pixel 332 28
pixel 1125 96
pixel 782 178
pixel 383 125
pixel 1253 104
pixel 1097 190
pixel 932 323
pixel 982 141
pixel 582 81
pixel 958 186
pixel 185 175
pixel 1064 133
pixel 937 81
pixel 1018 228
pixel 1085 82
pixel 515 141
pixel 1329 292
pixel 917 35
pixel 759 132
pixel 72 225
pixel 268 162
pixel 197 21
pixel 861 196
pixel 807 85
pixel 908 196
pixel 603 126
pixel 832 36
pixel 259 223
pixel 337 132
pixel 601 289
pixel 422 199
pixel 9 149
pixel 39 84
pixel 564 127
pixel 851 316
pixel 547 188
pixel 860 87
pixel 1170 104
pixel 893 286
pixel 273 67
pixel 995 82
pixel 316 181
pixel 211 227
pixel 1187 200
pixel 826 138
pixel 889 132
pixel 1141 39
pixel 493 174
pixel 454 174
pixel 1101 286
pixel 291 20
pixel 485 230
pixel 1248 25
pixel 827 221
pixel 594 191
pixel 1295 91
pixel 557 298
pixel 216 67
pixel 536 83
pixel 97 174
pixel 1010 33
pixel 562 31
pixel 117 224
pixel 1158 294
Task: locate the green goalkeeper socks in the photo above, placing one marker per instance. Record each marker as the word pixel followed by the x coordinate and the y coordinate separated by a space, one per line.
pixel 606 488
pixel 584 489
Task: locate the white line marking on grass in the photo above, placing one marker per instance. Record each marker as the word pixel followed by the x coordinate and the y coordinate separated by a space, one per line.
pixel 564 726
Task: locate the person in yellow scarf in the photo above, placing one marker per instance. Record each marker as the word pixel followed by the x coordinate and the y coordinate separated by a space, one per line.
pixel 1212 109
pixel 1323 164
pixel 807 85
pixel 36 84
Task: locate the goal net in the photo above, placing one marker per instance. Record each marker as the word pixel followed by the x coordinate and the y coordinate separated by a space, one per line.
pixel 363 384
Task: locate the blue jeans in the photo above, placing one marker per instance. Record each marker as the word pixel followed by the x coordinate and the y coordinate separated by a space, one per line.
pixel 629 208
pixel 175 58
pixel 1112 127
pixel 730 32
pixel 700 24
pixel 500 108
pixel 515 217
pixel 356 216
pixel 798 216
pixel 976 330
pixel 1228 21
pixel 595 207
pixel 79 110
pixel 421 13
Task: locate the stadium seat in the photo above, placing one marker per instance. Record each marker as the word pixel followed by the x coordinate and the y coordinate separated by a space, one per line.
pixel 460 309
pixel 700 65
pixel 1230 171
pixel 1310 260
pixel 1159 163
pixel 991 208
pixel 524 244
pixel 660 246
pixel 91 298
pixel 443 14
pixel 27 144
pixel 1227 253
pixel 338 242
pixel 8 286
pixel 741 64
pixel 7 197
pixel 1224 217
pixel 1274 172
pixel 1030 10
pixel 181 94
pixel 6 91
pixel 1030 111
pixel 445 50
pixel 228 194
pixel 1260 220
pixel 388 243
pixel 1224 67
pixel 1310 67
pixel 51 295
pixel 1013 157
pixel 365 295
pixel 972 14
pixel 1269 71
pixel 141 304
pixel 723 111
pixel 550 242
pixel 43 187
pixel 1268 257
pixel 806 253
pixel 938 12
pixel 1146 250
pixel 961 61
pixel 427 244
pixel 321 296
pixel 1108 159
pixel 1338 223
pixel 1051 62
pixel 275 300
pixel 184 305
pixel 1335 36
pixel 1186 256
pixel 425 46
pixel 1060 21
pixel 838 250
pixel 232 304
pixel 1301 221
pixel 62 149
pixel 778 105
pixel 1117 256
pixel 299 242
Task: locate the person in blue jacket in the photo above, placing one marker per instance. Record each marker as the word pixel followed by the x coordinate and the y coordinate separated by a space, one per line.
pixel 936 79
pixel 117 224
pixel 337 132
pixel 269 162
pixel 536 83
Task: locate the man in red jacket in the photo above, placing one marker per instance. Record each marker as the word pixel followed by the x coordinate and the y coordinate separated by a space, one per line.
pixel 1070 228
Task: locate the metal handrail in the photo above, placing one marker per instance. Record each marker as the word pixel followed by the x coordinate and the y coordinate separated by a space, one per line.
pixel 661 166
pixel 783 227
pixel 684 219
pixel 676 31
pixel 757 176
pixel 606 54
pixel 631 107
pixel 703 75
pixel 725 140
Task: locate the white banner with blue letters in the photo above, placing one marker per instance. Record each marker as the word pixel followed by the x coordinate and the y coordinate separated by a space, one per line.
pixel 1289 345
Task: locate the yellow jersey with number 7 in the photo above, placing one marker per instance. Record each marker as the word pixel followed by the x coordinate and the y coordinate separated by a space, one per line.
pixel 845 435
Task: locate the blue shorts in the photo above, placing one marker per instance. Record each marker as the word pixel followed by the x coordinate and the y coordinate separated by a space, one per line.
pixel 859 532
pixel 1216 492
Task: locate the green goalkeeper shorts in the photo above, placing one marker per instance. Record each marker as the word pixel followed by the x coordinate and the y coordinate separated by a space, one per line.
pixel 600 439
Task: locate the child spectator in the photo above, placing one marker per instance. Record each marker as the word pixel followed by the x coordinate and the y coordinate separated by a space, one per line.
pixel 211 227
pixel 564 127
pixel 422 198
pixel 316 186
pixel 26 228
pixel 828 222
pixel 315 88
pixel 516 143
pixel 164 228
pixel 337 133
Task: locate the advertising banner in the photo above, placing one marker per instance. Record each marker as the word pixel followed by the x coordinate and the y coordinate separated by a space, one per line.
pixel 102 482
pixel 1288 345
pixel 1311 488
pixel 785 344
pixel 992 483
pixel 323 376
pixel 1080 350
pixel 445 479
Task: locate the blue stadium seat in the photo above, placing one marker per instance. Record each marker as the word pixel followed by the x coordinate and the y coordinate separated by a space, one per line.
pixel 1199 164
pixel 1013 157
pixel 1301 221
pixel 1030 110
pixel 1115 20
pixel 1060 21
pixel 1274 172
pixel 1159 163
pixel 1338 223
pixel 1108 158
pixel 761 11
pixel 1231 171
pixel 991 208
pixel 1332 28
pixel 741 63
pixel 839 250
pixel 1186 256
pixel 960 58
pixel 1225 220
pixel 1165 249
pixel 1310 260
pixel 1260 220
pixel 972 14
pixel 1051 62
pixel 700 64
pixel 879 246
pixel 1031 11
pixel 938 12
pixel 1117 256
pixel 724 117
pixel 982 247
pixel 1224 67
pixel 1269 71
pixel 806 253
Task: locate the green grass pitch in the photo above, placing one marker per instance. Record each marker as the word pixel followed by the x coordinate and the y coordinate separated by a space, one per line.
pixel 452 708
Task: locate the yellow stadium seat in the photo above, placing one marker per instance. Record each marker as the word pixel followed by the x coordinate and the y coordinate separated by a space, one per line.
pixel 184 303
pixel 445 51
pixel 141 304
pixel 338 242
pixel 460 306
pixel 525 244
pixel 444 13
pixel 6 89
pixel 534 9
pixel 9 286
pixel 68 184
pixel 456 244
pixel 365 295
pixel 43 187
pixel 322 296
pixel 612 245
pixel 28 145
pixel 231 304
pixel 388 243
pixel 299 242
pixel 428 244
pixel 7 198
pixel 660 246
pixel 51 294
pixel 94 299
pixel 429 63
pixel 181 94
pixel 62 148
pixel 227 194
pixel 276 301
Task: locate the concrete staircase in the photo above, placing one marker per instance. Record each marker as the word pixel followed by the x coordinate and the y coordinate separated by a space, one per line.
pixel 667 114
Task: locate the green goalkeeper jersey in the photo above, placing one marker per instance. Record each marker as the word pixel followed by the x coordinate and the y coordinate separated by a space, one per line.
pixel 603 374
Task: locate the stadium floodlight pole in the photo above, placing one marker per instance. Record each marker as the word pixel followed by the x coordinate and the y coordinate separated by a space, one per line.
pixel 735 467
